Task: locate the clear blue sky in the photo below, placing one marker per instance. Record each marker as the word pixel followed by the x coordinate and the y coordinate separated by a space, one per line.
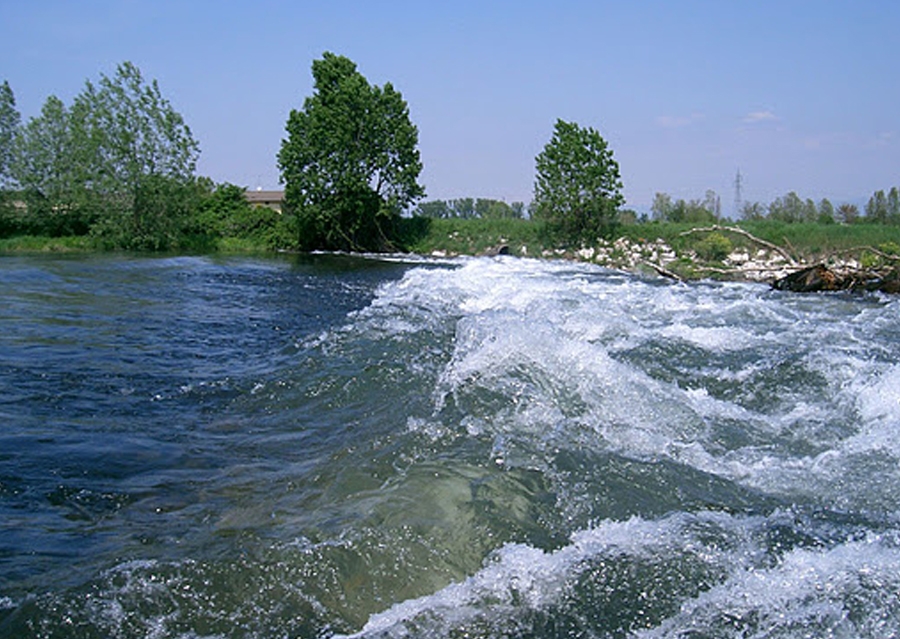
pixel 799 95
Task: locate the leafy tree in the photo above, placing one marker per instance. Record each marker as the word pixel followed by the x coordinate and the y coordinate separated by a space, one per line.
pixel 577 189
pixel 789 208
pixel 877 208
pixel 713 204
pixel 49 166
pixel 463 207
pixel 9 125
pixel 119 163
pixel 484 208
pixel 433 209
pixel 693 212
pixel 488 209
pixel 848 213
pixel 662 206
pixel 753 211
pixel 826 212
pixel 141 156
pixel 893 205
pixel 350 163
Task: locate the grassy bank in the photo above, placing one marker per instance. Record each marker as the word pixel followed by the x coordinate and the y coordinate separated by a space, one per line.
pixel 467 237
pixel 40 244
pixel 524 237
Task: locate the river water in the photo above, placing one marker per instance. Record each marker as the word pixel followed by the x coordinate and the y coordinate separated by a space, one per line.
pixel 328 446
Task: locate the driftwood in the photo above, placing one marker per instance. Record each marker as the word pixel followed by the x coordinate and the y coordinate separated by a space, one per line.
pixel 821 278
pixel 862 249
pixel 818 276
pixel 733 229
pixel 661 270
pixel 813 278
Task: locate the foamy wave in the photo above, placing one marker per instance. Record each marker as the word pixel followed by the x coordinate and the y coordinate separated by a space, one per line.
pixel 709 574
pixel 852 590
pixel 521 578
pixel 537 350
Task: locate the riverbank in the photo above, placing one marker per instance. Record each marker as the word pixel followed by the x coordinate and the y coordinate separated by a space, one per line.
pixel 760 252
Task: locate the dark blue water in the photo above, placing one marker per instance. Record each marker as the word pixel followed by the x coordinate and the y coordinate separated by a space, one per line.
pixel 302 447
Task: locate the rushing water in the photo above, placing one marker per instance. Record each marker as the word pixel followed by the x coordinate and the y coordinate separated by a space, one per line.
pixel 329 446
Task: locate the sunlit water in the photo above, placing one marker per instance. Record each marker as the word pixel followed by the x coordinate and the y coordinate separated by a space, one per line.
pixel 196 447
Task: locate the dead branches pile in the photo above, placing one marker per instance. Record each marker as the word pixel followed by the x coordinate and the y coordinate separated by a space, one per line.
pixel 828 273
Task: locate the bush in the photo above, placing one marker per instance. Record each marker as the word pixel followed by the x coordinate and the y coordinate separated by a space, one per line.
pixel 715 247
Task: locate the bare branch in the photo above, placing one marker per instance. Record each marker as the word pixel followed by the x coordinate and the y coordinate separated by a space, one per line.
pixel 859 249
pixel 662 271
pixel 749 236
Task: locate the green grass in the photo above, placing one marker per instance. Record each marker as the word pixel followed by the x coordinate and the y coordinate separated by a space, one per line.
pixel 818 240
pixel 525 237
pixel 39 244
pixel 476 236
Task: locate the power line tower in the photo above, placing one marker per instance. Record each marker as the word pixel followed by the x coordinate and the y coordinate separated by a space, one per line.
pixel 738 202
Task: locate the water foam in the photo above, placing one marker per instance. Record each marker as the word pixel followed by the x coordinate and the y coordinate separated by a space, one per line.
pixel 779 394
pixel 537 348
pixel 519 577
pixel 847 591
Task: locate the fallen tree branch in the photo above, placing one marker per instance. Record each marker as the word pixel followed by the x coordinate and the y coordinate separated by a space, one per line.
pixel 733 229
pixel 858 249
pixel 663 271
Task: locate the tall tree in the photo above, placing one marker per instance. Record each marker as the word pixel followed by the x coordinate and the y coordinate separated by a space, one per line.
pixel 49 166
pixel 713 204
pixel 463 207
pixel 350 162
pixel 877 208
pixel 826 212
pixel 753 211
pixel 143 157
pixel 848 213
pixel 662 206
pixel 893 205
pixel 577 188
pixel 9 125
pixel 789 208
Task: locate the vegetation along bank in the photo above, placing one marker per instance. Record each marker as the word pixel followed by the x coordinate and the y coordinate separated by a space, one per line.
pixel 116 170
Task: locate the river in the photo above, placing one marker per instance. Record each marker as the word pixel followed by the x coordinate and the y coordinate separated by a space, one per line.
pixel 323 446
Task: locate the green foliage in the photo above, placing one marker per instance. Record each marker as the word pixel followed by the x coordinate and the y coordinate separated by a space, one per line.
pixel 890 248
pixel 474 236
pixel 118 164
pixel 141 157
pixel 466 208
pixel 704 211
pixel 9 125
pixel 224 216
pixel 715 247
pixel 43 244
pixel 577 190
pixel 350 163
pixel 882 208
pixel 51 166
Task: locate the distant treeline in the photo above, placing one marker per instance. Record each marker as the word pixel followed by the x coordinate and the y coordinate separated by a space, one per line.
pixel 882 208
pixel 470 208
pixel 118 163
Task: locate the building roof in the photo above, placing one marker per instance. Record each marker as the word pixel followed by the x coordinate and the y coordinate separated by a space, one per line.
pixel 259 196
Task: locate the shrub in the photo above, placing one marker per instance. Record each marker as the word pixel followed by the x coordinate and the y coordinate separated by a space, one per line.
pixel 715 247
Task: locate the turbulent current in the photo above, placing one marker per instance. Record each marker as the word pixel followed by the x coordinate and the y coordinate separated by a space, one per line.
pixel 335 446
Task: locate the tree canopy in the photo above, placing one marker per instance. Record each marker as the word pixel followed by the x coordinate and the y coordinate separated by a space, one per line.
pixel 350 162
pixel 577 189
pixel 118 163
pixel 9 124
